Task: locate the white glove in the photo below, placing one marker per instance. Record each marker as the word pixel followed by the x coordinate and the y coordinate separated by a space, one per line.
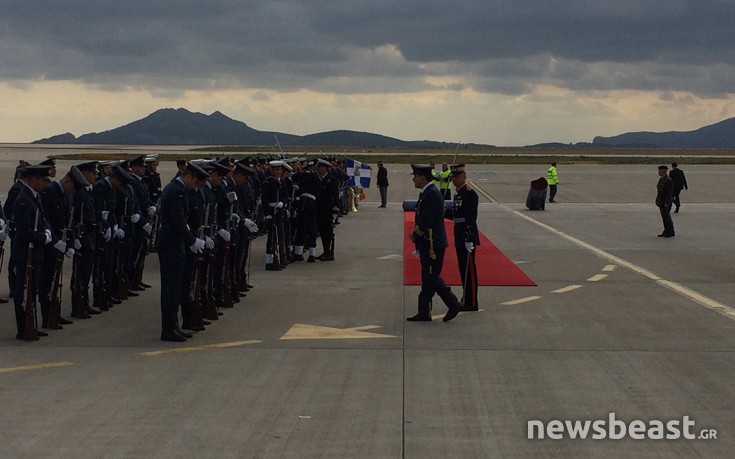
pixel 197 246
pixel 60 246
pixel 69 252
pixel 105 214
pixel 416 254
pixel 151 211
pixel 279 205
pixel 235 218
pixel 251 226
pixel 2 224
pixel 469 246
pixel 147 228
pixel 269 217
pixel 224 234
pixel 232 196
pixel 3 235
pixel 77 244
pixel 288 213
pixel 120 233
pixel 209 243
pixel 108 234
pixel 48 237
pixel 135 218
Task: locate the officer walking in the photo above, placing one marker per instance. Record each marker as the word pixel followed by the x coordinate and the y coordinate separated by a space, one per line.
pixel 664 200
pixel 431 243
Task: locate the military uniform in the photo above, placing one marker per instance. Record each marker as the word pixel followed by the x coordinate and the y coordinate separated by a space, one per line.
pixel 466 238
pixel 327 200
pixel 430 239
pixel 664 201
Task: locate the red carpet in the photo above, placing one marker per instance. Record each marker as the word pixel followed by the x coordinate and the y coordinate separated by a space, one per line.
pixel 493 267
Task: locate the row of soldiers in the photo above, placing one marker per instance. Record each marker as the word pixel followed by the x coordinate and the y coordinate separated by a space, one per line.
pixel 107 216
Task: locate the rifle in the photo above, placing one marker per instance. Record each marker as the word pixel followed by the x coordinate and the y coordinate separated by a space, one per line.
pixel 55 303
pixel 29 334
pixel 100 291
pixel 122 281
pixel 226 281
pixel 196 291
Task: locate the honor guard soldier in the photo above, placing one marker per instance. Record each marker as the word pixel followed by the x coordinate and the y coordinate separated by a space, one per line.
pixel 327 204
pixel 247 228
pixel 272 205
pixel 31 235
pixel 15 189
pixel 466 237
pixel 173 241
pixel 430 239
pixel 86 236
pixel 143 226
pixel 308 183
pixel 58 206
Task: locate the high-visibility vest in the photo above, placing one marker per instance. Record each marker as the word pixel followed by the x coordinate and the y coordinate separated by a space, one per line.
pixel 551 177
pixel 445 182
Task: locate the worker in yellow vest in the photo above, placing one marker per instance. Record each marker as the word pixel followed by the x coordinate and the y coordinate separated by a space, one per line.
pixel 553 180
pixel 445 182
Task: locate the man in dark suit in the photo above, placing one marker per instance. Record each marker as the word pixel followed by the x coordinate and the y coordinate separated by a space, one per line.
pixel 383 184
pixel 680 183
pixel 664 200
pixel 431 243
pixel 174 239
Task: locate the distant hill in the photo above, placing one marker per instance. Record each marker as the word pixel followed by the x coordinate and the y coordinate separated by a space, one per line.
pixel 170 126
pixel 719 135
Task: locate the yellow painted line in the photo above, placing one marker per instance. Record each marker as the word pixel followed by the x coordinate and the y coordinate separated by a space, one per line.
pixel 710 303
pixel 568 288
pixel 597 278
pixel 481 191
pixel 521 300
pixel 305 331
pixel 199 348
pixel 609 268
pixel 40 366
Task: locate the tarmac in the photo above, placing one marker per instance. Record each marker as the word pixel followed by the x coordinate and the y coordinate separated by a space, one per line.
pixel 318 361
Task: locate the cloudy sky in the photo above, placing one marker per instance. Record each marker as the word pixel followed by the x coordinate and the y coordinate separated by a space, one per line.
pixel 487 71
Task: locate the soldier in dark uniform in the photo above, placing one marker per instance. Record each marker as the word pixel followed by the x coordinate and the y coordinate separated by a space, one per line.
pixel 327 204
pixel 308 188
pixel 30 232
pixel 211 284
pixel 195 223
pixel 680 183
pixel 664 200
pixel 173 241
pixel 430 239
pixel 15 189
pixel 58 207
pixel 242 175
pixel 86 235
pixel 143 226
pixel 272 205
pixel 466 236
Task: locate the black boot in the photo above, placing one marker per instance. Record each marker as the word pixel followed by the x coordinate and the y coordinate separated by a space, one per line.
pixel 450 299
pixel 424 314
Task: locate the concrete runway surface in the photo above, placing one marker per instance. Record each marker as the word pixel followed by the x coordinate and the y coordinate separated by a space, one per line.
pixel 318 361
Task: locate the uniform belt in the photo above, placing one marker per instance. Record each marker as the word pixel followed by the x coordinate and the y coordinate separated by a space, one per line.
pixel 459 220
pixel 308 195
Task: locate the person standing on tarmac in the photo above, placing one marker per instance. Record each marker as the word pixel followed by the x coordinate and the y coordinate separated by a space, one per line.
pixel 445 182
pixel 553 180
pixel 664 200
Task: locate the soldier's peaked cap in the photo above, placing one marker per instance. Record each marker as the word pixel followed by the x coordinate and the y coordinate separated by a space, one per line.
pixel 421 169
pixel 138 161
pixel 120 173
pixel 88 166
pixel 39 170
pixel 199 173
pixel 49 162
pixel 323 162
pixel 243 168
pixel 79 180
pixel 457 169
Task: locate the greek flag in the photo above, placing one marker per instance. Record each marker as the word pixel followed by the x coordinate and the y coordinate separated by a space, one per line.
pixel 359 173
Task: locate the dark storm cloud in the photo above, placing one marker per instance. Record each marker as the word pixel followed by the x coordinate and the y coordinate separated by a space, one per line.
pixel 377 45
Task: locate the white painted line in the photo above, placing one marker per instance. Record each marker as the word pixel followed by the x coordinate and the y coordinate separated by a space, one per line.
pixel 597 278
pixel 521 300
pixel 568 288
pixel 725 310
pixel 609 268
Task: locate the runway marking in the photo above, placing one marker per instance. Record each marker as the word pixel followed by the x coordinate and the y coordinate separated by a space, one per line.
pixel 521 300
pixel 597 278
pixel 394 256
pixel 697 297
pixel 40 366
pixel 568 288
pixel 609 268
pixel 202 347
pixel 305 331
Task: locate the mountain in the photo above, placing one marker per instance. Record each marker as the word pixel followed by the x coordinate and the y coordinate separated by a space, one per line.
pixel 170 126
pixel 719 135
